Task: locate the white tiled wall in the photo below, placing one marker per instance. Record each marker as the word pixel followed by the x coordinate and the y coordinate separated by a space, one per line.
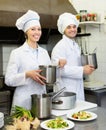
pixel 98 40
pixel 6 49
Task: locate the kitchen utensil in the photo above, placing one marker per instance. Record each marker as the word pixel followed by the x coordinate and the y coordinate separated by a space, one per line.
pixel 49 72
pixel 42 104
pixel 65 100
pixel 89 59
pixel 58 93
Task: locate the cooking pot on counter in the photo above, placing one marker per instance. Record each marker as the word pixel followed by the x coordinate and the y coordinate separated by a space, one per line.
pixel 89 59
pixel 42 104
pixel 64 101
pixel 49 72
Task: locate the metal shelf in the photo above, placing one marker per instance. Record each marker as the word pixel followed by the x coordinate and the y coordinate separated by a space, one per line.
pixel 91 22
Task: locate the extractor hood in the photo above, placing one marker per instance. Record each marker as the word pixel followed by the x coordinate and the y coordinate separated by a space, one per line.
pixel 49 10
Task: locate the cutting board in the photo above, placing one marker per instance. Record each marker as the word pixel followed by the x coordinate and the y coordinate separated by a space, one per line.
pixel 80 105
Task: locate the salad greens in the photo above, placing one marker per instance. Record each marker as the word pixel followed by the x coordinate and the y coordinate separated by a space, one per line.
pixel 57 123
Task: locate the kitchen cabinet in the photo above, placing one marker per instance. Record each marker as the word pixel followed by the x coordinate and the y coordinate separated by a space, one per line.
pixel 95 96
pixel 5 101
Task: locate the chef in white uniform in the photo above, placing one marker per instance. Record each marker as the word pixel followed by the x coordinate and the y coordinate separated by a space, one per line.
pixel 23 66
pixel 66 54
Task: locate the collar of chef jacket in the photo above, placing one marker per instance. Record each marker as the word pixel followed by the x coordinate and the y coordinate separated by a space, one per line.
pixel 28 48
pixel 70 42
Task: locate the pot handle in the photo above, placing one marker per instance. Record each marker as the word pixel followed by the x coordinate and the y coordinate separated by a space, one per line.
pixel 57 102
pixel 58 93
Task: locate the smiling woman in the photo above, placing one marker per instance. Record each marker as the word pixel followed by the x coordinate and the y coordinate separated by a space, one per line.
pixel 23 68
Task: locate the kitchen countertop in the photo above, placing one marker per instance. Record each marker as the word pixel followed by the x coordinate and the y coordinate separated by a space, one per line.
pixel 97 124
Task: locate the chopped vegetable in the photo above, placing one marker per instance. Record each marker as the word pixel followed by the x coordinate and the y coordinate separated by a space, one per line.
pixel 22 120
pixel 20 112
pixel 81 115
pixel 57 123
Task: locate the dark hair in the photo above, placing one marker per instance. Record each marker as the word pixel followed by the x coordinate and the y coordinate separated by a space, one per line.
pixel 26 37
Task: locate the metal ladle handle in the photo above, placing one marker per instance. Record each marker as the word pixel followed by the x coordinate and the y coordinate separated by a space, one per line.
pixel 58 93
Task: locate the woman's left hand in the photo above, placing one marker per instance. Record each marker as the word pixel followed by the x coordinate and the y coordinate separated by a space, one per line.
pixel 35 75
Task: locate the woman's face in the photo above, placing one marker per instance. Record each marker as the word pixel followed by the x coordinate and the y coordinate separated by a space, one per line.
pixel 34 34
pixel 71 31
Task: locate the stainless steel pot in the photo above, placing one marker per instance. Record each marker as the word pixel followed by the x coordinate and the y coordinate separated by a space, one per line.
pixel 89 59
pixel 65 100
pixel 49 72
pixel 42 104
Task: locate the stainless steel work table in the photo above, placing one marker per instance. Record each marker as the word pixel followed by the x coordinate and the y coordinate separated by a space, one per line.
pixel 97 124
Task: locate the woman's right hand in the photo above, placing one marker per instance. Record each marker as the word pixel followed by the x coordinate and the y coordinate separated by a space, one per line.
pixel 35 75
pixel 88 69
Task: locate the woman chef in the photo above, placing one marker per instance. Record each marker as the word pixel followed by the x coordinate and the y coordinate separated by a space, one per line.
pixel 68 51
pixel 23 67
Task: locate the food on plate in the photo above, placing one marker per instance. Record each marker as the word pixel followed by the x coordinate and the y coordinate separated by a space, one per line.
pixel 81 115
pixel 57 123
pixel 23 120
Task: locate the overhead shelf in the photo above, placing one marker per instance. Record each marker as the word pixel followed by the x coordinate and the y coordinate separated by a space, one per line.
pixel 91 22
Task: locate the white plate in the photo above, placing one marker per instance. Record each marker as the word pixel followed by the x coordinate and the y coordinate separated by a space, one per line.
pixel 94 116
pixel 70 123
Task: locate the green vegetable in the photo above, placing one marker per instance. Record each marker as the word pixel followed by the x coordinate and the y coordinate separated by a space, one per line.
pixel 20 112
pixel 57 123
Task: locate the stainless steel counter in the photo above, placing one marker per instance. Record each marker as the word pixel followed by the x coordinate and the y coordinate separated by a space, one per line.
pixel 97 124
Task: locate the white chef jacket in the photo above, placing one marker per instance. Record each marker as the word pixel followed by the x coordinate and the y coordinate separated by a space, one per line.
pixel 72 73
pixel 21 60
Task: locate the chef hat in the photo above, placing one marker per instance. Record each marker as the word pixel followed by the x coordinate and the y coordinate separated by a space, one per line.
pixel 28 20
pixel 66 19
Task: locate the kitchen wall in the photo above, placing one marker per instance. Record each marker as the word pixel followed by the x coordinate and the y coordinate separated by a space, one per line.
pixel 98 34
pixel 6 49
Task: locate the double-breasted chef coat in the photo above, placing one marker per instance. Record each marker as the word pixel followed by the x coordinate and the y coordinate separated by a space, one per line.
pixel 21 60
pixel 72 73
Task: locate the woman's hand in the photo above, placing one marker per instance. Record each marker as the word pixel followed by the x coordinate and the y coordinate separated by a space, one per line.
pixel 35 75
pixel 62 62
pixel 88 69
